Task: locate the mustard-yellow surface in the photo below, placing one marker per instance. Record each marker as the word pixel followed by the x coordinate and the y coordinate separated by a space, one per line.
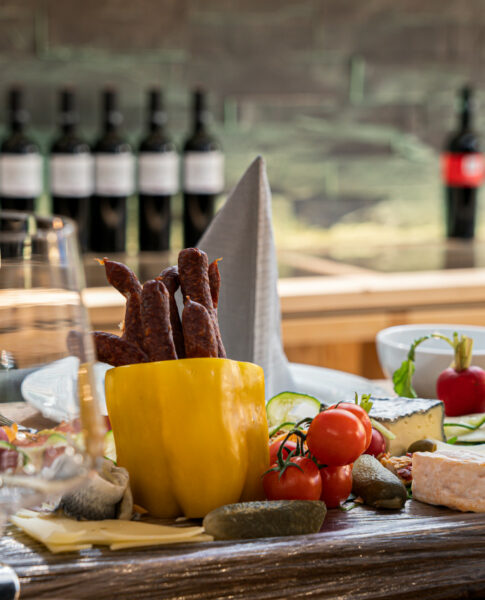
pixel 192 433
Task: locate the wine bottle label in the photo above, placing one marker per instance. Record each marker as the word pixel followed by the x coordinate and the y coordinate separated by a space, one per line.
pixel 72 175
pixel 158 173
pixel 203 172
pixel 463 170
pixel 21 175
pixel 114 174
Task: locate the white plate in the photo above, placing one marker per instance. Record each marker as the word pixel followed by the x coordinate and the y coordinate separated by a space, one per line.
pixel 52 389
pixel 330 386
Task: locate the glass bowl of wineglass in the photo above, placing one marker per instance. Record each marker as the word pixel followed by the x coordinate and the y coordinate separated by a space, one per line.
pixel 47 363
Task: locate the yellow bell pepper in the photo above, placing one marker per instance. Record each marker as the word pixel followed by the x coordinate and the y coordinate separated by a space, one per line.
pixel 192 433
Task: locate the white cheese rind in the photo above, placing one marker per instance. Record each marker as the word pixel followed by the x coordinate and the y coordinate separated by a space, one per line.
pixel 410 420
pixel 450 478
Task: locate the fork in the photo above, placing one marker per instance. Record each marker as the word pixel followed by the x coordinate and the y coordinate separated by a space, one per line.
pixel 5 421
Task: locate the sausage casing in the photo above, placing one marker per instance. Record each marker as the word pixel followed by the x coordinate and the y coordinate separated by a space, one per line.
pixel 214 282
pixel 194 280
pixel 170 278
pixel 116 351
pixel 155 314
pixel 199 335
pixel 126 282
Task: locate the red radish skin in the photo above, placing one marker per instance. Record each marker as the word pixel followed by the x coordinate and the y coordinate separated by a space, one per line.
pixel 462 392
pixel 377 444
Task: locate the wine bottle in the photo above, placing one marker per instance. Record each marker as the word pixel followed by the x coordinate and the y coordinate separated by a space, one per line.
pixel 71 169
pixel 203 173
pixel 20 160
pixel 463 170
pixel 113 182
pixel 157 179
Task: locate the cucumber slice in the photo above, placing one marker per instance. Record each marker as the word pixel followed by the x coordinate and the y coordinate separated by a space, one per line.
pixel 109 446
pixel 453 429
pixel 56 439
pixel 290 407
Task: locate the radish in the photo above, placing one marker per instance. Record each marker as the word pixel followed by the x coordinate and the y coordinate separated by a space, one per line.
pixel 461 387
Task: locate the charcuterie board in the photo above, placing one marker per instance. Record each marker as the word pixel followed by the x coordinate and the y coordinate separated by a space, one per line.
pixel 419 552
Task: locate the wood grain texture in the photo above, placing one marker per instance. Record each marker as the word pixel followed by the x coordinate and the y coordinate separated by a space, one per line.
pixel 420 552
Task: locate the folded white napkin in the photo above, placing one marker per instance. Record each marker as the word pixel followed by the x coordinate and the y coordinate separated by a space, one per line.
pixel 249 308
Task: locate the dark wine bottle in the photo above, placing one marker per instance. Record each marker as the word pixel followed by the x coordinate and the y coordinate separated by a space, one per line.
pixel 203 174
pixel 114 182
pixel 157 179
pixel 20 160
pixel 71 169
pixel 463 171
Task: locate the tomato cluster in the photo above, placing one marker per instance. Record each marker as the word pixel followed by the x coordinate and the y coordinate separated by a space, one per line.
pixel 319 466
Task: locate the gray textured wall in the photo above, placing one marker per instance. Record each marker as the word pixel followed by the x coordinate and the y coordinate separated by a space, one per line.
pixel 349 101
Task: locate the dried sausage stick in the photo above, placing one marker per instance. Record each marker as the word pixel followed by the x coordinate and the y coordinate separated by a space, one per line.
pixel 170 278
pixel 155 315
pixel 215 281
pixel 126 282
pixel 115 351
pixel 194 281
pixel 199 335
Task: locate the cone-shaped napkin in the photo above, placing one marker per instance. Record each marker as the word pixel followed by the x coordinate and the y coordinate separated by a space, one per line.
pixel 249 307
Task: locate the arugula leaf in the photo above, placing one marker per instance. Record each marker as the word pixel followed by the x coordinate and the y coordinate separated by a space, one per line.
pixel 402 379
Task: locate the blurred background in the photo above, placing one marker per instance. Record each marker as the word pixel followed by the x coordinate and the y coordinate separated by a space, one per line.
pixel 350 103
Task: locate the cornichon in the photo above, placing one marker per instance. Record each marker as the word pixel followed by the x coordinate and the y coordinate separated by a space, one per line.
pixel 376 485
pixel 247 520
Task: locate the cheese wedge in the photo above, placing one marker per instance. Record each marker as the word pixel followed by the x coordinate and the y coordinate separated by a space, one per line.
pixel 450 477
pixel 410 420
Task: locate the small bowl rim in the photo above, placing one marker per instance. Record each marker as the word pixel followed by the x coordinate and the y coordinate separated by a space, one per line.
pixel 383 339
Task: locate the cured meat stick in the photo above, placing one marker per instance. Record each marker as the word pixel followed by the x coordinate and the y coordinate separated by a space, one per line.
pixel 126 282
pixel 194 281
pixel 155 315
pixel 215 281
pixel 199 335
pixel 170 278
pixel 116 351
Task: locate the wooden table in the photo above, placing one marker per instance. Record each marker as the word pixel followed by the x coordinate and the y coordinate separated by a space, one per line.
pixel 419 552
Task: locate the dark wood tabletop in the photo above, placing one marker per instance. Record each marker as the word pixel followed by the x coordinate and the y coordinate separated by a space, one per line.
pixel 420 552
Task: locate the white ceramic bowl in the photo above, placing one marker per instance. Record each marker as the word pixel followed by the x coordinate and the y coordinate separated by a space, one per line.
pixel 432 356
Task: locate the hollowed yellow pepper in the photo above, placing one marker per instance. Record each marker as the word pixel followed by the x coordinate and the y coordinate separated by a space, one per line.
pixel 192 433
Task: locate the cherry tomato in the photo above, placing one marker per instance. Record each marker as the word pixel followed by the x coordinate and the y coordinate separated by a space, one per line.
pixel 462 392
pixel 294 484
pixel 275 446
pixel 377 445
pixel 361 414
pixel 336 484
pixel 336 437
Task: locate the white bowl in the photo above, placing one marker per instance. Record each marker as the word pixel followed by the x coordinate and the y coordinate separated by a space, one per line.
pixel 432 356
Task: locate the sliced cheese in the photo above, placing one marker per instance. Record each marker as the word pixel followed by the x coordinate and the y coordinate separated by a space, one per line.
pixel 452 477
pixel 409 419
pixel 62 534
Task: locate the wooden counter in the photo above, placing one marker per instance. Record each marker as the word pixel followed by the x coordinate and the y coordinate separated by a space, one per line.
pixel 332 320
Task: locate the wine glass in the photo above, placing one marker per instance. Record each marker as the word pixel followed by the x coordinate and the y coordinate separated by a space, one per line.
pixel 47 360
